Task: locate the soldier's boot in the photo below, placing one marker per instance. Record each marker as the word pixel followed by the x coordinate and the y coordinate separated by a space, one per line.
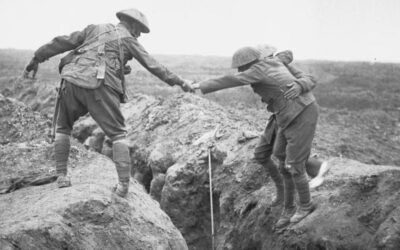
pixel 319 179
pixel 61 153
pixel 302 212
pixel 289 206
pixel 63 181
pixel 123 164
pixel 121 189
pixel 306 206
pixel 284 218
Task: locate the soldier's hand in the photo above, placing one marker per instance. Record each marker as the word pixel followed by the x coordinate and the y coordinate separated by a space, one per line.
pixel 294 90
pixel 285 56
pixel 33 66
pixel 187 86
pixel 196 85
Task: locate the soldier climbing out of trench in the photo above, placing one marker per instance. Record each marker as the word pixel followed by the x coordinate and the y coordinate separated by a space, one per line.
pixel 93 82
pixel 315 168
pixel 287 91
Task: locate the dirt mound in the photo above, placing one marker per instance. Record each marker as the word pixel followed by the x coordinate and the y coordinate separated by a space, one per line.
pixel 357 208
pixel 18 123
pixel 84 216
pixel 38 95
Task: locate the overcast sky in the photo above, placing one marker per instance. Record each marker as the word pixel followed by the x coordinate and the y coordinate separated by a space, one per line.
pixel 360 30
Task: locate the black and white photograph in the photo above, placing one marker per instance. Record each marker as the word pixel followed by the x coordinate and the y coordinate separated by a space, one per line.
pixel 200 125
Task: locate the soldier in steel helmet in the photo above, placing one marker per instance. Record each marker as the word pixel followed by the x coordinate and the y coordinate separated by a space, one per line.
pixel 93 82
pixel 315 167
pixel 286 90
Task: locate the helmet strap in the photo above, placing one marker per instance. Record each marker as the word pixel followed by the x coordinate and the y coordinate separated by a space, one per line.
pixel 247 66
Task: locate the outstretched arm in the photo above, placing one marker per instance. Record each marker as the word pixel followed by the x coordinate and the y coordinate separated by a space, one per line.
pixel 157 69
pixel 247 77
pixel 58 45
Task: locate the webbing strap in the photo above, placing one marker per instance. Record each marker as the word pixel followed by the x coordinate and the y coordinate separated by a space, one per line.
pixel 101 69
pixel 100 39
pixel 92 40
pixel 121 61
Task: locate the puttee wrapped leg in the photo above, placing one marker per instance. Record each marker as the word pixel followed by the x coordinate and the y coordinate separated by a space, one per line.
pixel 123 166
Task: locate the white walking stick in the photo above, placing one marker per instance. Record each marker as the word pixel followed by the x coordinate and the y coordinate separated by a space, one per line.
pixel 211 197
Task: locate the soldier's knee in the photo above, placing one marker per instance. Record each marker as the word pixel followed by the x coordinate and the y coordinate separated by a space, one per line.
pixel 61 136
pixel 296 169
pixel 282 169
pixel 119 139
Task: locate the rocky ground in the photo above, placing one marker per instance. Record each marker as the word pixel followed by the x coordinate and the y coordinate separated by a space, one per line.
pixel 35 214
pixel 357 205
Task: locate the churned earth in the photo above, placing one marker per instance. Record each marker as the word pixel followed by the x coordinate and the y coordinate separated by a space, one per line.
pixel 35 214
pixel 357 205
pixel 168 139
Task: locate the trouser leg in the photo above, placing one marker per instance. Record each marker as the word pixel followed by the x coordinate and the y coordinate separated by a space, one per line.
pixel 276 177
pixel 288 187
pixel 303 190
pixel 61 153
pixel 299 135
pixel 262 154
pixel 121 159
pixel 289 205
pixel 305 205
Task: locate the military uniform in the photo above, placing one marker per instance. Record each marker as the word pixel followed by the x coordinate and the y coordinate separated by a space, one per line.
pixel 93 82
pixel 92 85
pixel 296 119
pixel 269 78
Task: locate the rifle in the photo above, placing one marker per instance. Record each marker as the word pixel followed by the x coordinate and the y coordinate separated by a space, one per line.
pixel 56 111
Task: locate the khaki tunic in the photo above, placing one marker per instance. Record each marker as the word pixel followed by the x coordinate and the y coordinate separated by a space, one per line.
pixel 269 78
pixel 131 49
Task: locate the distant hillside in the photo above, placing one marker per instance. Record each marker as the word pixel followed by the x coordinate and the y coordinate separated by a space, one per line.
pixel 349 85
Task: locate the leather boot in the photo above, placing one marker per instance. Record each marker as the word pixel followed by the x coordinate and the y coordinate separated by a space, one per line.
pixel 301 213
pixel 63 181
pixel 284 219
pixel 305 205
pixel 121 189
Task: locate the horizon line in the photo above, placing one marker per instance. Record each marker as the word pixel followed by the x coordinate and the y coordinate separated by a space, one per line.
pixel 228 56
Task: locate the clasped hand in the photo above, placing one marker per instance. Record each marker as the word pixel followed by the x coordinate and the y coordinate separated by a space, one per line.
pixel 189 86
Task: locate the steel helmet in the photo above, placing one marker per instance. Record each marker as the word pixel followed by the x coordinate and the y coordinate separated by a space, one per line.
pixel 136 16
pixel 244 56
pixel 266 50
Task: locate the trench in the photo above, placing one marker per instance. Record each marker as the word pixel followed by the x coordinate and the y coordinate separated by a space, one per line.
pixel 199 234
